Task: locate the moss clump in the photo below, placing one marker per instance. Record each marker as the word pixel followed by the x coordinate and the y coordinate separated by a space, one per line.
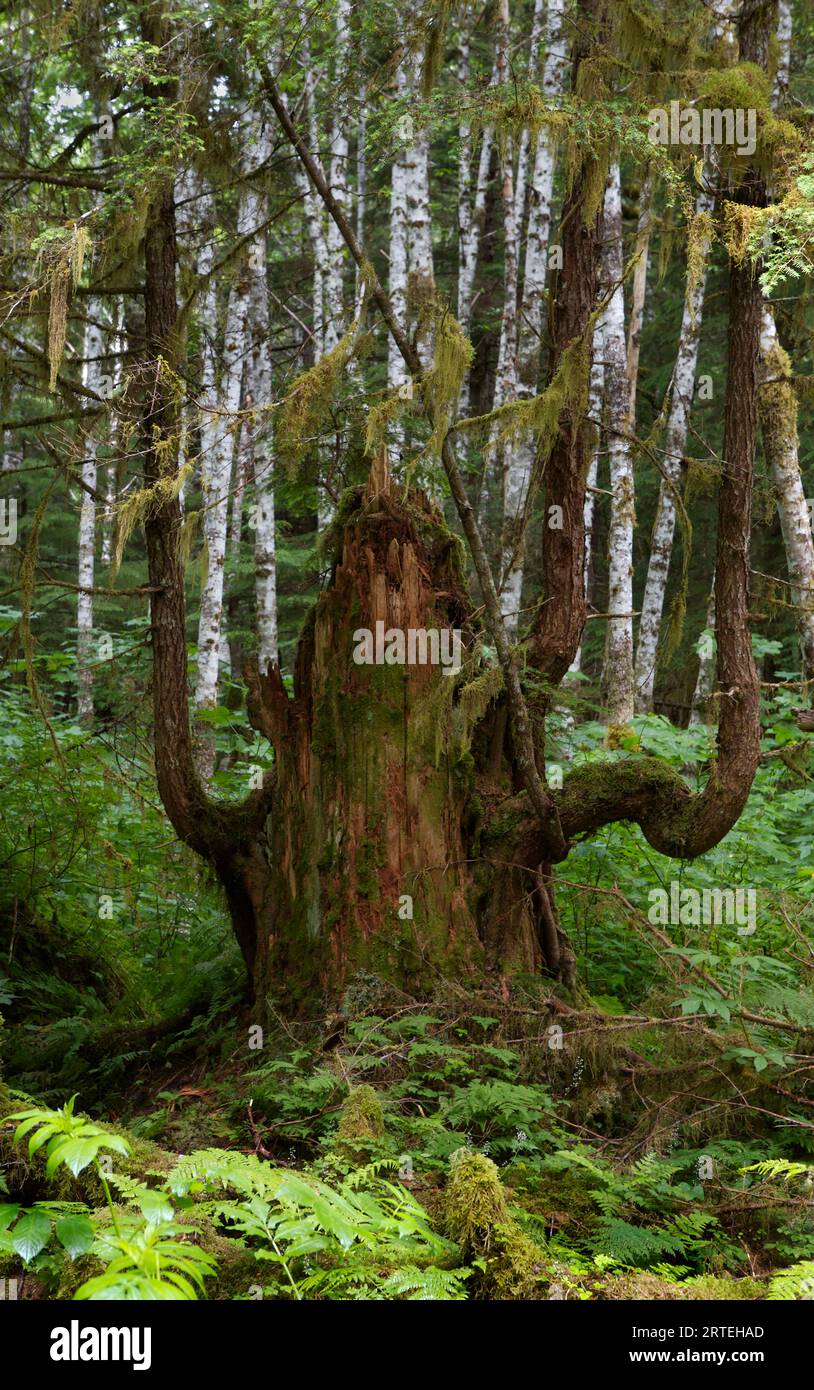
pixel 475 1203
pixel 477 1217
pixel 302 414
pixel 713 1286
pixel 640 1284
pixel 518 1269
pixel 361 1119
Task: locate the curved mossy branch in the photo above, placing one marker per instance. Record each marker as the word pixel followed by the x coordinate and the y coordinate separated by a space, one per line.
pixel 647 792
pixel 653 795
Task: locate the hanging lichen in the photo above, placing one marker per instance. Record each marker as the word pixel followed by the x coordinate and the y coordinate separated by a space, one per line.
pixel 436 29
pixel 511 108
pixel 666 241
pixel 60 255
pixel 57 321
pixel 119 250
pixel 301 415
pixel 740 222
pixel 540 414
pixel 777 406
pixel 699 238
pixel 134 510
pixel 432 717
pixel 702 479
pixel 190 528
pixel 595 176
pixel 652 44
pixel 392 405
pixel 441 385
pixel 473 701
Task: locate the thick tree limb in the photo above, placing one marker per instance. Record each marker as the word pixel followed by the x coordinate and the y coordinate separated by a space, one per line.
pixel 218 831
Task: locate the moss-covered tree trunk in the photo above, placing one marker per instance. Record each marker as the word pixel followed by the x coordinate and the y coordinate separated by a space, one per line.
pixel 374 833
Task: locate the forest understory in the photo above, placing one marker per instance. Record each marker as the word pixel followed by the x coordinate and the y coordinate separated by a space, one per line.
pixel 643 1135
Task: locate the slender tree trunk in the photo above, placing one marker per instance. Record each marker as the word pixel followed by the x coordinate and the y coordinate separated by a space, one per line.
pixel 683 387
pixel 338 173
pixel 525 147
pixel 216 468
pixel 705 680
pixel 213 518
pixel 471 214
pixel 397 275
pixel 506 373
pixel 421 269
pixel 473 230
pixel 596 396
pixel 314 217
pixel 259 460
pixel 470 223
pixel 464 169
pixel 92 374
pixel 239 483
pixel 539 214
pixel 638 293
pixel 784 32
pixel 217 462
pixel 618 674
pixel 506 376
pixel 361 186
pixel 530 321
pixel 119 342
pixel 323 337
pixel 778 421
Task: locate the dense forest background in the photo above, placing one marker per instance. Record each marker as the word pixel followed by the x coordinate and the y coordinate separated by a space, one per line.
pixel 320 982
